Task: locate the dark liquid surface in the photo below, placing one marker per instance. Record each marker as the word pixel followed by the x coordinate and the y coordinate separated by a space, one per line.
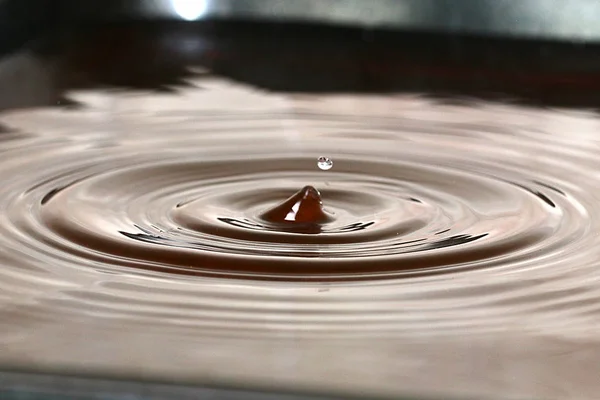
pixel 190 206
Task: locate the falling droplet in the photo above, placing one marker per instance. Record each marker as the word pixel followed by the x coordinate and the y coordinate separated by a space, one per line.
pixel 324 163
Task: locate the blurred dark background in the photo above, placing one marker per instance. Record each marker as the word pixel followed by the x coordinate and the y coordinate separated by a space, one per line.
pixel 512 51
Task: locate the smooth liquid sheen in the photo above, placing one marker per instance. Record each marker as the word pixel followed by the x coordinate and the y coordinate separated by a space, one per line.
pixel 200 222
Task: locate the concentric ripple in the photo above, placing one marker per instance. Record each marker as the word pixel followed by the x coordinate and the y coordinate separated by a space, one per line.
pixel 456 248
pixel 393 217
pixel 178 232
pixel 435 218
pixel 406 197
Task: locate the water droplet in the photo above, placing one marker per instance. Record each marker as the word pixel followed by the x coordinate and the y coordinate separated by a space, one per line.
pixel 324 163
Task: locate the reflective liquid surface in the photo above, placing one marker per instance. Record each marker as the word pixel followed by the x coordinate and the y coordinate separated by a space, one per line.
pixel 418 189
pixel 191 235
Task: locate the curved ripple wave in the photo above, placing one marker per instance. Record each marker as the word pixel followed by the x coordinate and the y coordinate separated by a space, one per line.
pixel 438 212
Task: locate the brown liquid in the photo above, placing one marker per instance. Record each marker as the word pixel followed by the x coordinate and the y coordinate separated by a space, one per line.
pixel 304 207
pixel 460 256
pixel 459 240
pixel 200 188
